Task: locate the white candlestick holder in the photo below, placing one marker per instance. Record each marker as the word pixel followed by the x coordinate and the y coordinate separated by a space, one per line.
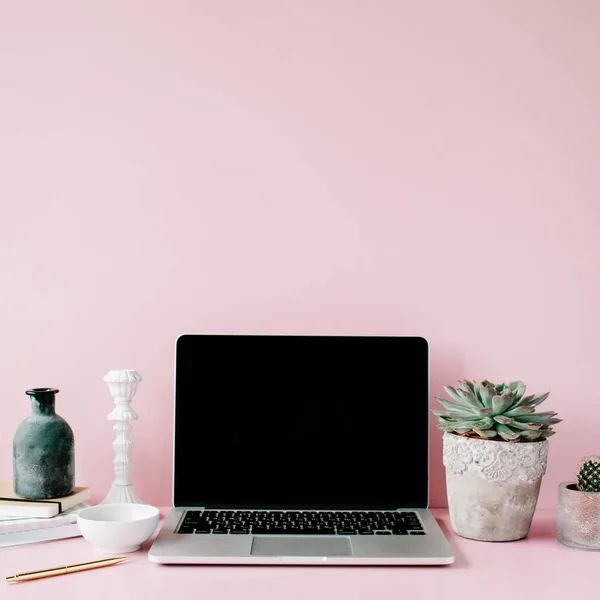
pixel 122 386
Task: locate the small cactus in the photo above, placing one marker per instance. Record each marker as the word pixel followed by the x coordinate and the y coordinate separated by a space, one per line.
pixel 588 477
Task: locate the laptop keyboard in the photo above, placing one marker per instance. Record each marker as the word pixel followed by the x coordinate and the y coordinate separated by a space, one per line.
pixel 257 522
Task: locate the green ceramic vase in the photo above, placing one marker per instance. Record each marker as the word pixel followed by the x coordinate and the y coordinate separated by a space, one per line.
pixel 43 450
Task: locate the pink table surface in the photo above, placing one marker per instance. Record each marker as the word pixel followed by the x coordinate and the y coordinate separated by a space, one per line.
pixel 537 566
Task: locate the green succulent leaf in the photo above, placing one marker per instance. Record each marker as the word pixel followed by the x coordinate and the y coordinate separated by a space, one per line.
pixel 538 399
pixel 449 401
pixel 500 404
pixel 484 423
pixel 477 391
pixel 518 390
pixel 503 420
pixel 482 412
pixel 455 408
pixel 525 426
pixel 453 394
pixel 461 397
pixel 524 401
pixel 530 434
pixel 486 396
pixel 462 428
pixel 468 398
pixel 520 410
pixel 485 433
pixel 470 391
pixel 534 418
pixel 466 386
pixel 440 414
pixel 506 433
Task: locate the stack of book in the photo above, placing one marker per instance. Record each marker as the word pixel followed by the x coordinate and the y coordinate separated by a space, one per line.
pixel 29 521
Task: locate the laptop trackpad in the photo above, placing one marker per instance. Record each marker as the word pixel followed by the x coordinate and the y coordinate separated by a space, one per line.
pixel 301 546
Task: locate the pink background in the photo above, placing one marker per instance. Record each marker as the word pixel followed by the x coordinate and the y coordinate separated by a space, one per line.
pixel 342 167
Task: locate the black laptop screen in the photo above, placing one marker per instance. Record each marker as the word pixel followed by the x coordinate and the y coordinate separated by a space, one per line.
pixel 301 422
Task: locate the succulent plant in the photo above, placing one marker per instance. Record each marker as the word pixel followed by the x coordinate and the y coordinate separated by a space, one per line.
pixel 588 477
pixel 502 411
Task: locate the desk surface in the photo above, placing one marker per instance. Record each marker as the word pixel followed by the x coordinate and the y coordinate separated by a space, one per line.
pixel 537 566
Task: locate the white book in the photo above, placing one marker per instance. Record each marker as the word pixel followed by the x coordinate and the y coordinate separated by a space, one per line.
pixel 15 532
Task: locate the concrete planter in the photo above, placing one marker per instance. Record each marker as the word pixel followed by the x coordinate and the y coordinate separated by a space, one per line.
pixel 493 486
pixel 578 517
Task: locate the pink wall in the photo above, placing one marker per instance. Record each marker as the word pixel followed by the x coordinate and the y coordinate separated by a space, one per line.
pixel 336 166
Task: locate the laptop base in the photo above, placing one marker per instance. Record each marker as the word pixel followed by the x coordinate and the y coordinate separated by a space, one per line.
pixel 174 548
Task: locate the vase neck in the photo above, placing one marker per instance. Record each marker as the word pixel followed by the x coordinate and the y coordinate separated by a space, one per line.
pixel 42 400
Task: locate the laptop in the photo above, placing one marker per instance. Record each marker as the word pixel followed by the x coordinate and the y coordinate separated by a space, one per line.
pixel 301 450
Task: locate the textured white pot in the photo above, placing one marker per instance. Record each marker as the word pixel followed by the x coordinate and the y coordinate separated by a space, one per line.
pixel 493 486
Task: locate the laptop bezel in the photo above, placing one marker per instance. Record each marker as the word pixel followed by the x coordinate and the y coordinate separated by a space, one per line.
pixel 183 335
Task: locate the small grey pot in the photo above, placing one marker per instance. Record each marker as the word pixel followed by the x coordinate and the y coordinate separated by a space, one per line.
pixel 578 517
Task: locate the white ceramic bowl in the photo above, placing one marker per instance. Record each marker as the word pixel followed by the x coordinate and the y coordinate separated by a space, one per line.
pixel 118 528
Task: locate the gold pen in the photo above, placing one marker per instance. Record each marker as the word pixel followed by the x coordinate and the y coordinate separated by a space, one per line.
pixel 94 564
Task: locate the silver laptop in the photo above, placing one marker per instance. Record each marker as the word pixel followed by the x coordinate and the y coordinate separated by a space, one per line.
pixel 301 450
